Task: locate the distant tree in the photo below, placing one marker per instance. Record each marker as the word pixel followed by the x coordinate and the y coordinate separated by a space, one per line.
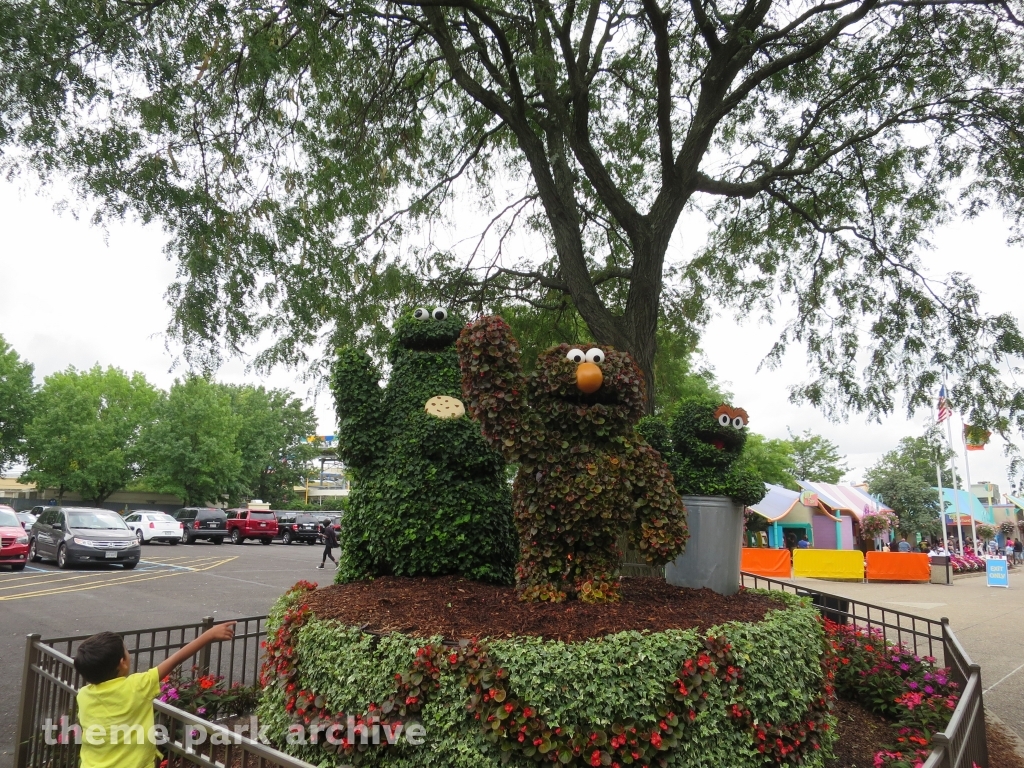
pixel 83 436
pixel 816 458
pixel 919 456
pixel 272 429
pixel 913 500
pixel 771 460
pixel 16 390
pixel 190 449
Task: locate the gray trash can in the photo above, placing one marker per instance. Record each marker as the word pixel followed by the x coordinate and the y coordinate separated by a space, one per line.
pixel 712 556
pixel 942 569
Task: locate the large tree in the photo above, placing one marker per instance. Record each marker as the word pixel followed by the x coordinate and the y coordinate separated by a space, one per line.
pixel 83 436
pixel 816 458
pixel 296 149
pixel 16 389
pixel 190 449
pixel 272 429
pixel 918 457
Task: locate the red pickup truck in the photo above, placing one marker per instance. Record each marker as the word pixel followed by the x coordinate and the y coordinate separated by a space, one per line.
pixel 251 524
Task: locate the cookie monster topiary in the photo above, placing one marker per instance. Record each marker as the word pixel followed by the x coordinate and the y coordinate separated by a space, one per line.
pixel 585 475
pixel 428 495
pixel 702 445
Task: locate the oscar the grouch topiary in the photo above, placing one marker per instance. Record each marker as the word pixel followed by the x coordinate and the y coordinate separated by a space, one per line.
pixel 428 496
pixel 702 446
pixel 585 475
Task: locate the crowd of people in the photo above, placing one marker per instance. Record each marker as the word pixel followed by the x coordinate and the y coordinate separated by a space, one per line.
pixel 1012 549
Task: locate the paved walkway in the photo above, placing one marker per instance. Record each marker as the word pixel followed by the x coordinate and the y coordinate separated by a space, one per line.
pixel 988 621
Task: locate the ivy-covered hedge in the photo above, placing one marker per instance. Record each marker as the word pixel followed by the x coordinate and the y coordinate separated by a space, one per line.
pixel 739 695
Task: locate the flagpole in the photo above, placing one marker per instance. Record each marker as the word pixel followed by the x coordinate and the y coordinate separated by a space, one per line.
pixel 967 471
pixel 956 480
pixel 942 498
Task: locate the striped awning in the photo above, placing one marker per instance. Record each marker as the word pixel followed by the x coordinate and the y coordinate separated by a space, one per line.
pixel 844 497
pixel 777 503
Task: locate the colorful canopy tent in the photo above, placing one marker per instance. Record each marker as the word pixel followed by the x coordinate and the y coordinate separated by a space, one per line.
pixel 793 519
pixel 969 506
pixel 845 505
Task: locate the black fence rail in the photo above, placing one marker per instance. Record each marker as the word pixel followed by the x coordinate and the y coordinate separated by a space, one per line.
pixel 963 744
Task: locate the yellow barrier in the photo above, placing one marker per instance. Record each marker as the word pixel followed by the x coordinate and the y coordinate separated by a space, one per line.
pixel 828 564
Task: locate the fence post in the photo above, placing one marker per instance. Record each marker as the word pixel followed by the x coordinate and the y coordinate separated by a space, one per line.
pixel 941 742
pixel 27 707
pixel 979 736
pixel 204 654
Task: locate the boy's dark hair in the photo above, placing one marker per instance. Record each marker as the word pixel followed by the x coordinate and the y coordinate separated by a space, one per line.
pixel 99 656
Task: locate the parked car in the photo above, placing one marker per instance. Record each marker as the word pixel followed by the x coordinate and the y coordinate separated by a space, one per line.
pixel 207 523
pixel 151 525
pixel 26 519
pixel 37 511
pixel 72 535
pixel 13 540
pixel 251 524
pixel 297 526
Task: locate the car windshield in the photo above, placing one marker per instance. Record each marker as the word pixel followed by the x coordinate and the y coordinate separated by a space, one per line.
pixel 161 518
pixel 106 521
pixel 8 519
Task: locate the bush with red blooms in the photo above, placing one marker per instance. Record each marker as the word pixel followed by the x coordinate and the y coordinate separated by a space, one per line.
pixel 207 695
pixel 893 681
pixel 710 682
pixel 585 474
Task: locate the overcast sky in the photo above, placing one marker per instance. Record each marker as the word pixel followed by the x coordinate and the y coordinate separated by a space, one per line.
pixel 72 293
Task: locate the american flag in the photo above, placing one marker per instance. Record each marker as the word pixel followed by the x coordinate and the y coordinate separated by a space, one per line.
pixel 944 410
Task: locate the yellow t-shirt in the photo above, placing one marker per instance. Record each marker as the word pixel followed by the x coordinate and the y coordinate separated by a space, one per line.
pixel 117 712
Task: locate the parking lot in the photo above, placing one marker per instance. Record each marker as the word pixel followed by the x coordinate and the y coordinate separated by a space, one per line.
pixel 172 585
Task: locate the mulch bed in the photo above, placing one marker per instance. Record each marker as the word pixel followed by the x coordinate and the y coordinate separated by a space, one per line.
pixel 861 734
pixel 456 608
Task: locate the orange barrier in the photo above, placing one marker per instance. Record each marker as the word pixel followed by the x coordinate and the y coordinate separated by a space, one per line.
pixel 898 566
pixel 773 563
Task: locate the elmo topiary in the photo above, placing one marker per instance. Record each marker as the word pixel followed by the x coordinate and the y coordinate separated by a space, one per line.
pixel 428 497
pixel 702 445
pixel 584 475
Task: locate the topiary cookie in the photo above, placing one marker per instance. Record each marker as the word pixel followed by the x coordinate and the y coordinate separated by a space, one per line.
pixel 702 445
pixel 585 475
pixel 428 495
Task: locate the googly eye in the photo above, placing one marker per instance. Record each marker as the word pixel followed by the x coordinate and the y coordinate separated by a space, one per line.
pixel 440 313
pixel 576 355
pixel 739 423
pixel 724 420
pixel 595 356
pixel 421 314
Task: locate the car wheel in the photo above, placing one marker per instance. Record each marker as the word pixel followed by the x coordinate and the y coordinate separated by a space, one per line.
pixel 287 538
pixel 186 537
pixel 33 556
pixel 173 542
pixel 219 540
pixel 18 567
pixel 310 542
pixel 265 541
pixel 129 566
pixel 139 535
pixel 236 537
pixel 62 557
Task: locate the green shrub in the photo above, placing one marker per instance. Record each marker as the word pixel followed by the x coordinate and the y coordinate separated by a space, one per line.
pixel 428 496
pixel 739 695
pixel 585 475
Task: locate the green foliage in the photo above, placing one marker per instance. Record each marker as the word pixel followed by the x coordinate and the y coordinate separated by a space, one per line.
pixel 598 688
pixel 285 148
pixel 274 456
pixel 16 390
pixel 918 456
pixel 428 496
pixel 816 458
pixel 915 502
pixel 771 460
pixel 330 504
pixel 585 475
pixel 84 434
pixel 190 448
pixel 703 454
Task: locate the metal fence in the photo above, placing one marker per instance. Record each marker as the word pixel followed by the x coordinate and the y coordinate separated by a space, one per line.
pixel 963 744
pixel 50 683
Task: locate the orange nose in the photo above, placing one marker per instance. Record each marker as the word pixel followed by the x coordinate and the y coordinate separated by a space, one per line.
pixel 588 378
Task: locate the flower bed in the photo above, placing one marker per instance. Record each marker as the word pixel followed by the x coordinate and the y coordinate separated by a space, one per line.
pixel 740 694
pixel 967 563
pixel 892 681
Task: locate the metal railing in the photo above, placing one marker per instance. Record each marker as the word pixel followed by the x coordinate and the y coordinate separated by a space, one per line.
pixel 963 743
pixel 50 684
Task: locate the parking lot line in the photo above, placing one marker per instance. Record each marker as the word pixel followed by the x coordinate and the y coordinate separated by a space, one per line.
pixel 43 588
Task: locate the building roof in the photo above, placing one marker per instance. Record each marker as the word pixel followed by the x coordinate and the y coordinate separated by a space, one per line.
pixel 968 504
pixel 777 503
pixel 845 498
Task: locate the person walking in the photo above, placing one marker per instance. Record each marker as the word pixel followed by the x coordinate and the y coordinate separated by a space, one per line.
pixel 330 542
pixel 1018 551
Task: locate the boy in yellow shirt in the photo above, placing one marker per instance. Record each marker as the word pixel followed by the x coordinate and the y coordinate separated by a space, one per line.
pixel 115 709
